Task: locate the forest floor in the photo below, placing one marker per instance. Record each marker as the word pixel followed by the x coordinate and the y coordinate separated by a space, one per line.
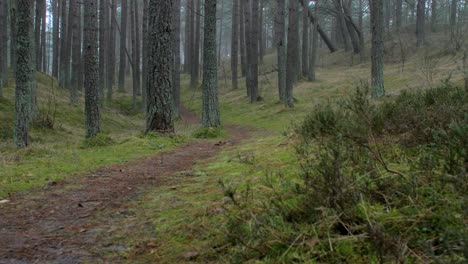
pixel 67 221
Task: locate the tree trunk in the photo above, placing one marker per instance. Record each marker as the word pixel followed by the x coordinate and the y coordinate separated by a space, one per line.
pixel 314 49
pixel 420 19
pixel 453 13
pixel 13 31
pixel 187 39
pixel 292 59
pixel 210 114
pixel 43 36
pixel 254 96
pixel 145 52
pixel 65 47
pixel 280 25
pixel 3 44
pixel 243 49
pixel 56 43
pixel 177 62
pixel 342 25
pixel 76 54
pixel 433 15
pixel 134 54
pixel 91 70
pixel 377 51
pixel 24 72
pixel 235 42
pixel 137 50
pixel 192 46
pixel 362 54
pixel 195 52
pixel 305 41
pixel 322 33
pixel 123 45
pixel 248 45
pixel 221 27
pixel 260 32
pixel 352 28
pixel 159 86
pixel 103 42
pixel 37 35
pixel 398 13
pixel 111 51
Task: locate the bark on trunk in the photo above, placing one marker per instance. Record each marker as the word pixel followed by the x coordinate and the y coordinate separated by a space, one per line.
pixel 111 52
pixel 254 95
pixel 24 72
pixel 314 50
pixel 420 20
pixel 377 53
pixel 292 59
pixel 123 45
pixel 235 43
pixel 177 62
pixel 76 56
pixel 56 43
pixel 91 68
pixel 210 114
pixel 305 41
pixel 159 85
pixel 280 25
pixel 3 44
pixel 103 41
pixel 243 49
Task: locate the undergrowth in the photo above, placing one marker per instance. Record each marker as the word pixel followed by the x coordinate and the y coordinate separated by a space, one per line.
pixel 379 181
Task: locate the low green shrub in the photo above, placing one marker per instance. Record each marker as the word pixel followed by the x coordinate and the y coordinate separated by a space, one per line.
pixel 100 140
pixel 380 181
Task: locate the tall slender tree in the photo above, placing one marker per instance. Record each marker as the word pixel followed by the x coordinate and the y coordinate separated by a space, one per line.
pixel 433 15
pixel 177 61
pixel 159 84
pixel 305 41
pixel 123 44
pixel 91 69
pixel 280 33
pixel 453 13
pixel 314 47
pixel 210 113
pixel 254 94
pixel 13 30
pixel 195 52
pixel 24 72
pixel 63 41
pixel 56 39
pixel 37 34
pixel 377 52
pixel 134 54
pixel 103 46
pixel 68 44
pixel 145 52
pixel 111 51
pixel 292 55
pixel 420 21
pixel 3 44
pixel 235 43
pixel 77 73
pixel 242 44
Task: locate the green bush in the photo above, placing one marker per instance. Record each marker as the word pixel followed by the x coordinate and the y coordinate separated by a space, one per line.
pixel 100 140
pixel 380 181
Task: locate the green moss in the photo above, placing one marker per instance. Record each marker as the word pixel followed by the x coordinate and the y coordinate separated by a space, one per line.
pixel 210 132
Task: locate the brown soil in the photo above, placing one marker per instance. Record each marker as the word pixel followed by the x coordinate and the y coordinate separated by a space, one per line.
pixel 61 223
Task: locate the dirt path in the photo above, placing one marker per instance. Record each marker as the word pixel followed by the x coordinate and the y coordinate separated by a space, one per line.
pixel 61 224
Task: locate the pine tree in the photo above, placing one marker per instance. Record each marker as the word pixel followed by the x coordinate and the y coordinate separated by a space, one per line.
pixel 292 55
pixel 24 71
pixel 123 45
pixel 91 68
pixel 280 26
pixel 3 44
pixel 111 52
pixel 235 43
pixel 177 62
pixel 210 113
pixel 159 84
pixel 377 50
